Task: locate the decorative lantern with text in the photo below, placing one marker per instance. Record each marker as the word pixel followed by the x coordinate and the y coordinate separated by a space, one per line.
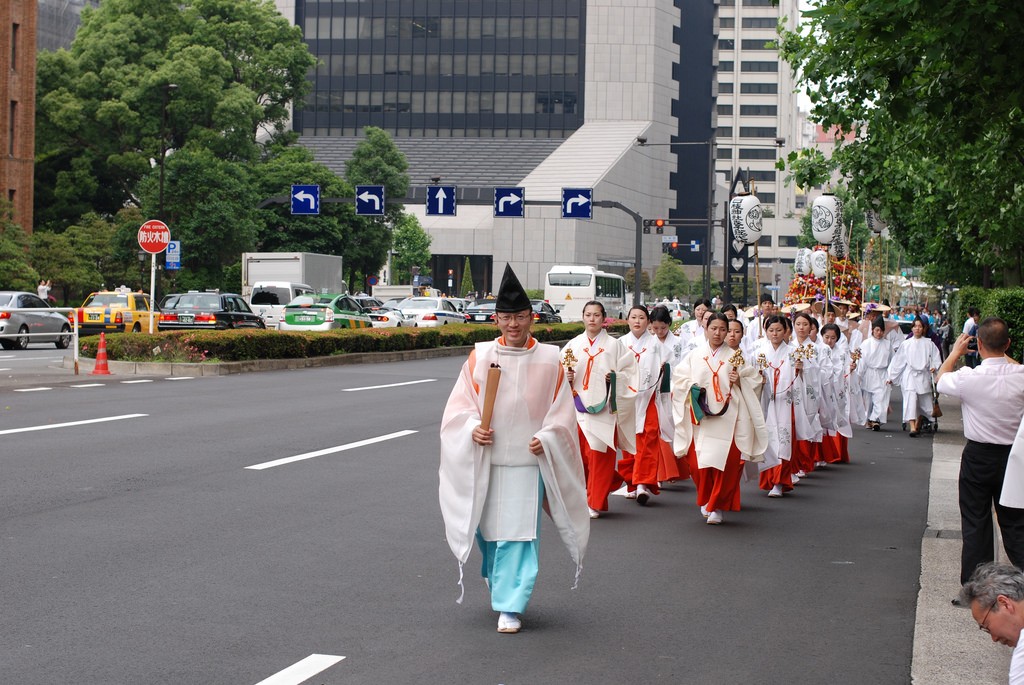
pixel 745 215
pixel 827 219
pixel 875 222
pixel 802 261
pixel 819 263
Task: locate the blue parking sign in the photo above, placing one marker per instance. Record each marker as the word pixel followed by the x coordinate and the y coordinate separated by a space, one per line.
pixel 172 256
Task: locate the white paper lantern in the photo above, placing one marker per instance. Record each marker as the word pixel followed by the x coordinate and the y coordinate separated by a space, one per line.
pixel 839 248
pixel 745 214
pixel 802 261
pixel 875 222
pixel 826 218
pixel 819 263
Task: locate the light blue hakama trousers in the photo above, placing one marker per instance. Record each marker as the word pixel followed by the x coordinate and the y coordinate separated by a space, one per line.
pixel 511 568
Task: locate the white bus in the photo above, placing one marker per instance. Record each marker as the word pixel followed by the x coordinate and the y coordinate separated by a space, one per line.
pixel 568 288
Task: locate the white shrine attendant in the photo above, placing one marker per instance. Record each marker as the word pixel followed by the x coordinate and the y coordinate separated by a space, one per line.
pixel 808 392
pixel 873 371
pixel 640 468
pixel 692 333
pixel 756 325
pixel 835 444
pixel 670 467
pixel 715 407
pixel 774 357
pixel 600 371
pixel 913 368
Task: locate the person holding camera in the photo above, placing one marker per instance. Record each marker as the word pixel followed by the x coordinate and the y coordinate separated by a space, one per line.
pixel 992 399
pixel 971 329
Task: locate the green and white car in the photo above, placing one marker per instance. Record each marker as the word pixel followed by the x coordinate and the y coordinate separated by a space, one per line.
pixel 323 313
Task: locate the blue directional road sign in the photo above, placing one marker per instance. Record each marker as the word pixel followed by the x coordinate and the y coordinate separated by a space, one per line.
pixel 694 246
pixel 172 256
pixel 577 203
pixel 508 202
pixel 440 200
pixel 370 200
pixel 305 199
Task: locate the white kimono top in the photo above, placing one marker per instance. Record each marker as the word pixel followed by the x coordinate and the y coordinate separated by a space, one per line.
pixel 777 400
pixel 743 421
pixel 808 389
pixel 913 365
pixel 594 360
pixel 673 353
pixel 873 367
pixel 647 351
pixel 495 488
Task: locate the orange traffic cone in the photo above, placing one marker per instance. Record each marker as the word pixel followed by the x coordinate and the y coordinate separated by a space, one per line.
pixel 101 358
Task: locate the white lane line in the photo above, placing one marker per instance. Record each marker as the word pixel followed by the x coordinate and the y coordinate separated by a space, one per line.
pixel 389 385
pixel 329 450
pixel 303 670
pixel 6 369
pixel 31 389
pixel 87 385
pixel 71 423
pixel 148 380
pixel 31 359
pixel 179 378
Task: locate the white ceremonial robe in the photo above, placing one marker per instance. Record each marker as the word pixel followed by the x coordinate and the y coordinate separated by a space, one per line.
pixel 647 352
pixel 841 389
pixel 754 330
pixel 743 421
pixel 494 488
pixel 672 352
pixel 1013 480
pixel 873 370
pixel 826 373
pixel 911 368
pixel 777 399
pixel 808 389
pixel 609 354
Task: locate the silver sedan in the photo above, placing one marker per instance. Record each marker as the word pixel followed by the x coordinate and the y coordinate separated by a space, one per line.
pixel 16 322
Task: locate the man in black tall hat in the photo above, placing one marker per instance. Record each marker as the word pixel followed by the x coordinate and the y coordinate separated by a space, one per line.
pixel 495 479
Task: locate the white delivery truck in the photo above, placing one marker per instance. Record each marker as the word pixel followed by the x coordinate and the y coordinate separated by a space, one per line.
pixel 270 280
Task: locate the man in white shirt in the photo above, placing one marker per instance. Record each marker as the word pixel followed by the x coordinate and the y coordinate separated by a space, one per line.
pixel 995 594
pixel 992 399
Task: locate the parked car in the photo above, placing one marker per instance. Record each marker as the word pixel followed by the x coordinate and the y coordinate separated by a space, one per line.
pixel 322 313
pixel 268 299
pixel 14 325
pixel 115 311
pixel 460 304
pixel 368 302
pixel 210 310
pixel 676 310
pixel 432 311
pixel 393 302
pixel 392 317
pixel 544 312
pixel 481 311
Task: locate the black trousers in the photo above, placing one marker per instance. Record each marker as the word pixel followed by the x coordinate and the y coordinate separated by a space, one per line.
pixel 982 467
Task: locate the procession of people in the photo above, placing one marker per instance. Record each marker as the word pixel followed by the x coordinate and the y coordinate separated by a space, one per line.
pixel 771 394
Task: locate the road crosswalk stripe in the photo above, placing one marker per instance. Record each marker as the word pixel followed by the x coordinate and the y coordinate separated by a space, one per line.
pixel 329 450
pixel 302 671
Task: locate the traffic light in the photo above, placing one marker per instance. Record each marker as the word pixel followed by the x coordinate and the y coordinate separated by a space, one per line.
pixel 658 224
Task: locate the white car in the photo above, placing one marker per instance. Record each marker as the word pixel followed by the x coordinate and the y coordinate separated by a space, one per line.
pixel 675 310
pixel 392 318
pixel 431 312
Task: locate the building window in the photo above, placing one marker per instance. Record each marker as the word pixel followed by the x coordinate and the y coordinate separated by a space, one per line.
pixel 726 3
pixel 727 22
pixel 726 66
pixel 759 66
pixel 723 132
pixel 725 110
pixel 760 22
pixel 756 153
pixel 14 47
pixel 766 198
pixel 12 127
pixel 759 88
pixel 757 132
pixel 758 3
pixel 759 110
pixel 764 241
pixel 789 241
pixel 726 44
pixel 758 44
pixel 725 88
pixel 763 175
pixel 724 153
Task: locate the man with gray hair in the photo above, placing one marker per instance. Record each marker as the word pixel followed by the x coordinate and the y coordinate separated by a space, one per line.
pixel 995 594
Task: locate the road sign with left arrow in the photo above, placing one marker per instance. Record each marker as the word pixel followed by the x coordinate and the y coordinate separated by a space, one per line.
pixel 305 199
pixel 440 200
pixel 370 200
pixel 508 202
pixel 577 203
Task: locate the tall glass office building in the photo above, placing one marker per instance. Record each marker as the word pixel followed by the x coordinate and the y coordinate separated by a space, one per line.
pixel 445 68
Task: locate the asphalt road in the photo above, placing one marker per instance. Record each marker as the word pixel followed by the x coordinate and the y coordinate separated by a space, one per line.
pixel 143 550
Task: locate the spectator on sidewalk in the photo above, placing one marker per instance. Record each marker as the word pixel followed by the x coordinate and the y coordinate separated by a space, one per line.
pixel 995 594
pixel 992 399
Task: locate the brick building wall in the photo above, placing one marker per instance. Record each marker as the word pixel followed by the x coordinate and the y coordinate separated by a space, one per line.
pixel 18 105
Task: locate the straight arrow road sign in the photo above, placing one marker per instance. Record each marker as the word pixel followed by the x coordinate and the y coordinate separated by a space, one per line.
pixel 440 200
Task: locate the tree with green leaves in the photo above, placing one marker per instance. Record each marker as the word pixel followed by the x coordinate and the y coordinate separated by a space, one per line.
pixel 928 90
pixel 467 280
pixel 411 248
pixel 670 279
pixel 15 271
pixel 375 161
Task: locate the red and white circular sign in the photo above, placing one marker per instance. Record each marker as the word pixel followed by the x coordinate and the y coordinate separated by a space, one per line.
pixel 154 236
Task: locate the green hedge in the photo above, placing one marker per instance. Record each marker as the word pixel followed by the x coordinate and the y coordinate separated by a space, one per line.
pixel 242 345
pixel 1006 303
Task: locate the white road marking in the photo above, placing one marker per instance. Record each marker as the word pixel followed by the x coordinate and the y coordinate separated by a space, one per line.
pixel 88 385
pixel 6 369
pixel 147 380
pixel 179 378
pixel 71 423
pixel 303 670
pixel 31 389
pixel 389 385
pixel 14 358
pixel 329 450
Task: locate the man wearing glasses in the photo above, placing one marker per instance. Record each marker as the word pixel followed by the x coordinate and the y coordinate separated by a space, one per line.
pixel 495 479
pixel 995 594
